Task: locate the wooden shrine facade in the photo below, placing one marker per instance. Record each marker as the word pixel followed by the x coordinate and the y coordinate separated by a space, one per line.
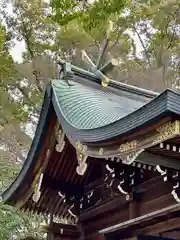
pixel 105 161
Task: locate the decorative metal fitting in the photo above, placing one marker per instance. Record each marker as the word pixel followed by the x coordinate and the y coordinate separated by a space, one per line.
pixel 130 158
pixel 101 151
pixel 105 82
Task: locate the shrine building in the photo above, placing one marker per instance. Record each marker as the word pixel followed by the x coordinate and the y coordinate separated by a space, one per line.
pixel 104 162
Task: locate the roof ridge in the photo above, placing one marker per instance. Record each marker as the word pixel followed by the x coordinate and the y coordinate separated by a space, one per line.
pixel 113 83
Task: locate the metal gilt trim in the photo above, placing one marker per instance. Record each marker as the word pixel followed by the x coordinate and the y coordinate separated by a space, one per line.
pixel 101 151
pixel 128 146
pixel 128 151
pixel 167 131
pixel 105 82
pixel 130 158
pixel 104 79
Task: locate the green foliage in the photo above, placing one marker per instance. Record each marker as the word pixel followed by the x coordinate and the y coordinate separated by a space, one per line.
pixel 10 110
pixel 12 221
pixel 8 172
pixel 92 15
pixel 154 24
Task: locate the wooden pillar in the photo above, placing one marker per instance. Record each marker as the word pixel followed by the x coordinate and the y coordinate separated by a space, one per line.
pixel 134 209
pixel 50 235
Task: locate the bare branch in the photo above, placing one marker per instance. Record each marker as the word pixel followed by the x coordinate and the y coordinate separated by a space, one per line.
pixel 143 45
pixel 116 41
pixel 174 29
pixel 27 98
pixel 26 35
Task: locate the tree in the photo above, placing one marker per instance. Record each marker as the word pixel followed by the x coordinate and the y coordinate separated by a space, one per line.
pixel 12 116
pixel 154 25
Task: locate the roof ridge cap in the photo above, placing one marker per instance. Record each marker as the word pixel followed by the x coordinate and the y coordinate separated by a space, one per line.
pixel 115 83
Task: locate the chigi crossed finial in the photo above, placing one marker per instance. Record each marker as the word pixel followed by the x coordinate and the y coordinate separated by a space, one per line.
pixel 98 69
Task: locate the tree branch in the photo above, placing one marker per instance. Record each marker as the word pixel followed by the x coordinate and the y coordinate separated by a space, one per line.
pixel 27 40
pixel 116 41
pixel 27 98
pixel 174 30
pixel 142 44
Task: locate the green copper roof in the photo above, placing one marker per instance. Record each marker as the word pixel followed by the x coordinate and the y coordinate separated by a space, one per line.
pixel 87 107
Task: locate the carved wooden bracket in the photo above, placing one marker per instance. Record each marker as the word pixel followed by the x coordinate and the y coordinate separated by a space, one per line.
pixel 37 186
pixel 173 178
pixel 81 158
pixel 39 177
pixel 60 139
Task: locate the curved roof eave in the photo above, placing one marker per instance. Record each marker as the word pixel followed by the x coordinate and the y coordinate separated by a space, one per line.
pixel 164 104
pixel 35 148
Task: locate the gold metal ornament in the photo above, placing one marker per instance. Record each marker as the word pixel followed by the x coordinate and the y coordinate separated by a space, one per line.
pixel 167 131
pixel 131 157
pixel 81 147
pixel 105 82
pixel 128 146
pixel 101 151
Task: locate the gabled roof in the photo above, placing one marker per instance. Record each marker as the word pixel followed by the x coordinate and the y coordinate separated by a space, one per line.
pixel 90 114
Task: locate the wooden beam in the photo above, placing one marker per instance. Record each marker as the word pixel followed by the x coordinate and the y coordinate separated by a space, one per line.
pixel 63 230
pixel 161 227
pixel 70 189
pixel 146 189
pixel 113 236
pixel 109 206
pixel 174 234
pixel 152 159
pixel 118 214
pixel 152 238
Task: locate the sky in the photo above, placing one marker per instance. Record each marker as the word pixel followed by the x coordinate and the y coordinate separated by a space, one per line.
pixel 17 50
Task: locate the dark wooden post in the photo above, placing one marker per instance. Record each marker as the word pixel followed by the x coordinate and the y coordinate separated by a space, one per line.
pixel 50 235
pixel 133 209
